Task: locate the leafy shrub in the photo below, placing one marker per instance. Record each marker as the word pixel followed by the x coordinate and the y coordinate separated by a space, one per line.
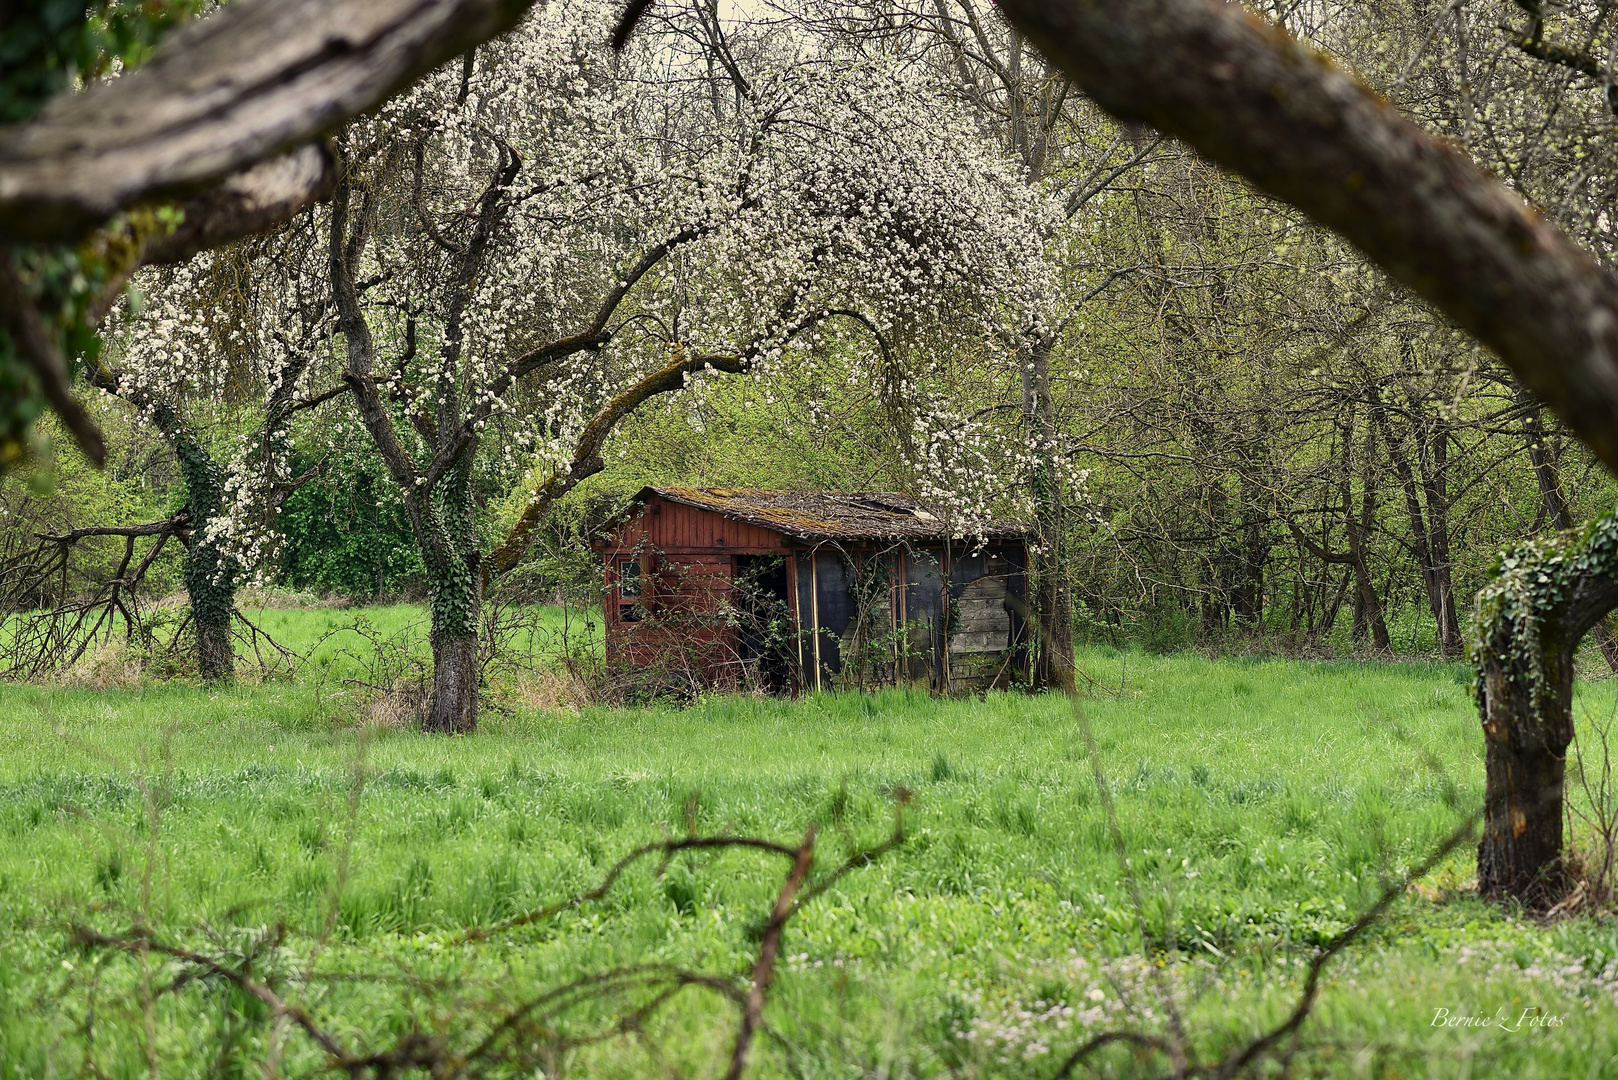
pixel 346 533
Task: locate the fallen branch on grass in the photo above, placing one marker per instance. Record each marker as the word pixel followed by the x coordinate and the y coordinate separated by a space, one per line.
pixel 59 627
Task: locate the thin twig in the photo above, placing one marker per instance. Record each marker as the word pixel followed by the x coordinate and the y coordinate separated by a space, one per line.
pixel 665 848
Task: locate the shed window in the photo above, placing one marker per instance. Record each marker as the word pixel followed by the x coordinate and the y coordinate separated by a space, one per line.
pixel 629 606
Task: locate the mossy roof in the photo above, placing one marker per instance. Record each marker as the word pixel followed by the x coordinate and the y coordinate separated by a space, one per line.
pixel 815 515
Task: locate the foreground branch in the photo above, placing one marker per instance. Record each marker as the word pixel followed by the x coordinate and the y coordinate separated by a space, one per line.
pixel 252 81
pixel 513 1032
pixel 1178 1048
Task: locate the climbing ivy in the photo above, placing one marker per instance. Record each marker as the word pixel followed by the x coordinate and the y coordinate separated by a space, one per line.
pixel 346 532
pixel 210 577
pixel 1521 606
pixel 454 593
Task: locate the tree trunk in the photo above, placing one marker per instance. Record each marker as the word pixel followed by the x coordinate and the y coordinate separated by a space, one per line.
pixel 456 596
pixel 1219 559
pixel 1367 605
pixel 1527 724
pixel 1545 475
pixel 1052 663
pixel 1361 541
pixel 454 708
pixel 210 580
pixel 1435 485
pixel 1248 597
pixel 211 592
pixel 1607 642
pixel 1530 619
pixel 1440 598
pixel 216 650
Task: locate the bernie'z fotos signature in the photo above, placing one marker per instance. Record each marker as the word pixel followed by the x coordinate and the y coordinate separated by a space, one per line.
pixel 1531 1018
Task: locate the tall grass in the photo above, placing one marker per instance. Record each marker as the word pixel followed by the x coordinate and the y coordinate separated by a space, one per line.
pixel 1263 802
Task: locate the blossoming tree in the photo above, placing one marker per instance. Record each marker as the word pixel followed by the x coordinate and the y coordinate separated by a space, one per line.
pixel 229 339
pixel 525 249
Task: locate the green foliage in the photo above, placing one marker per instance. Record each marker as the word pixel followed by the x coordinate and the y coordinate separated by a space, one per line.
pixel 449 557
pixel 210 580
pixel 20 404
pixel 75 494
pixel 61 281
pixel 49 45
pixel 744 433
pixel 346 534
pixel 1260 801
pixel 1519 609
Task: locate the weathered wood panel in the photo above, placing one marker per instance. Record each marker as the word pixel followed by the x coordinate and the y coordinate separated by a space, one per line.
pixel 686 629
pixel 982 624
pixel 675 527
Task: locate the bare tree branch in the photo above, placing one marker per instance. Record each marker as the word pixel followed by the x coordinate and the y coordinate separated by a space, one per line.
pixel 769 947
pixel 151 528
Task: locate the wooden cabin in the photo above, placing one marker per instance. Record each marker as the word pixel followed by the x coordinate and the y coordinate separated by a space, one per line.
pixel 790 591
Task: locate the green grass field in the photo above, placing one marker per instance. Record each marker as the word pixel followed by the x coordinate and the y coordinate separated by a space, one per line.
pixel 1260 803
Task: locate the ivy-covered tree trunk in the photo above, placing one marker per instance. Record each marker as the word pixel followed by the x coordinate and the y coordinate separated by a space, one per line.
pixel 212 595
pixel 454 709
pixel 456 594
pixel 210 580
pixel 1367 605
pixel 1544 596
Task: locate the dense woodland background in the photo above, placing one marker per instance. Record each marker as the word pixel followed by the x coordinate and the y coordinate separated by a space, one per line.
pixel 1250 438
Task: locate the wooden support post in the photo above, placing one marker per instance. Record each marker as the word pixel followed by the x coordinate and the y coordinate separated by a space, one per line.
pixel 893 611
pixel 814 607
pixel 943 622
pixel 797 621
pixel 904 610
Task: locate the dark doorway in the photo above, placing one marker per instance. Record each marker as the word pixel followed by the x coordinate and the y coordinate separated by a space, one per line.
pixel 766 619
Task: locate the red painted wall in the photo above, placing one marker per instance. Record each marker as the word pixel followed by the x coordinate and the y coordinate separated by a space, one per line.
pixel 673 527
pixel 690 555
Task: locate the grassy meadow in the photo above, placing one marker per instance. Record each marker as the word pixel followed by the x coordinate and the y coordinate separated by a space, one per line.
pixel 1260 804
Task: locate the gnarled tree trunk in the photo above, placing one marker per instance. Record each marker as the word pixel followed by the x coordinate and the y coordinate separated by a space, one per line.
pixel 454 708
pixel 216 651
pixel 210 587
pixel 1554 507
pixel 1530 619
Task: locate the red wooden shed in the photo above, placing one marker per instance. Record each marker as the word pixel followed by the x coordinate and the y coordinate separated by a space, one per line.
pixel 790 590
